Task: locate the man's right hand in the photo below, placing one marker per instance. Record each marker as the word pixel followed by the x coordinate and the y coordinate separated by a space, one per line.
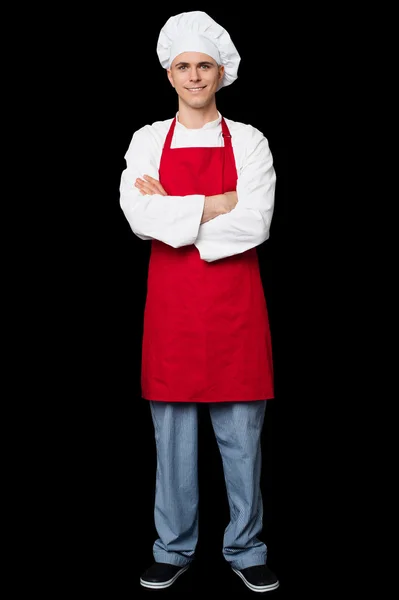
pixel 227 202
pixel 220 204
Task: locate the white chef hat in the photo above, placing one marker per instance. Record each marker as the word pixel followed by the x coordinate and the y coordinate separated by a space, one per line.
pixel 197 32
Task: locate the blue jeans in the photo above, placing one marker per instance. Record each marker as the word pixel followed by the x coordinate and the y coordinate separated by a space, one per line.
pixel 237 427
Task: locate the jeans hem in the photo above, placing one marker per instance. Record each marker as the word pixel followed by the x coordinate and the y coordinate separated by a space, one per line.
pixel 254 560
pixel 172 558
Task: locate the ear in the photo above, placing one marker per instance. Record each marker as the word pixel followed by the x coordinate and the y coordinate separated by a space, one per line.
pixel 221 72
pixel 170 77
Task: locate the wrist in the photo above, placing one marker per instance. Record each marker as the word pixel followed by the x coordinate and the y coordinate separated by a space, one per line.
pixel 214 206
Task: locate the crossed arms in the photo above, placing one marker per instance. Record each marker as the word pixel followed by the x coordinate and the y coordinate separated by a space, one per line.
pixel 219 226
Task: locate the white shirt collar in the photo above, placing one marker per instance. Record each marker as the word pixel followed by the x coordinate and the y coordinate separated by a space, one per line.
pixel 210 125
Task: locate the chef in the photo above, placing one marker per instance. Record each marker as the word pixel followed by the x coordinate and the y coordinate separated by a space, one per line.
pixel 200 187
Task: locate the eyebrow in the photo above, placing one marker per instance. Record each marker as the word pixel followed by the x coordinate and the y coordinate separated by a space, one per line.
pixel 204 62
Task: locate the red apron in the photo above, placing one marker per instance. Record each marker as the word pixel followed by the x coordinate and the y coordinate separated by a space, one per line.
pixel 206 335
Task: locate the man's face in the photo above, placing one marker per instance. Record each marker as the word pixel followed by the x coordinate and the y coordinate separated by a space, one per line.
pixel 195 77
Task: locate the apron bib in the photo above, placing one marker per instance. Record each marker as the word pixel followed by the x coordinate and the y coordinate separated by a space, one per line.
pixel 206 335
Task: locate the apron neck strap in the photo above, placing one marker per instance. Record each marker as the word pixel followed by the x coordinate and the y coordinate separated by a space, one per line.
pixel 226 133
pixel 168 139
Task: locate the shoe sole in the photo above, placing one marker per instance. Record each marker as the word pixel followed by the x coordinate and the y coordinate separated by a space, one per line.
pixel 163 584
pixel 257 588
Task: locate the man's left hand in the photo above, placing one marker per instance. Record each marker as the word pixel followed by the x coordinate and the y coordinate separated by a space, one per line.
pixel 149 186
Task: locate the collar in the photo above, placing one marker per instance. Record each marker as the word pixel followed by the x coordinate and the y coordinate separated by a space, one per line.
pixel 210 125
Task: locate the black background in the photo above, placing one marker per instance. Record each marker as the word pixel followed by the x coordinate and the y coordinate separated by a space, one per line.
pixel 105 83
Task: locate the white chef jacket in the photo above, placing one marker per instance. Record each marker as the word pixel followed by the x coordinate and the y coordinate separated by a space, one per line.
pixel 176 220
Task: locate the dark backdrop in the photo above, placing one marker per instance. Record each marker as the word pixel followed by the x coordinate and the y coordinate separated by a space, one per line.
pixel 110 83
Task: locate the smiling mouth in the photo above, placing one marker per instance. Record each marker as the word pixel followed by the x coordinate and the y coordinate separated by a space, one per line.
pixel 196 89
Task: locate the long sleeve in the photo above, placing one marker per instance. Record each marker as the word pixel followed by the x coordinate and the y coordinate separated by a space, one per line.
pixel 174 220
pixel 248 224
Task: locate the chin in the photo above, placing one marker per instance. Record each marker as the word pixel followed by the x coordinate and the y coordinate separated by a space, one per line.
pixel 198 103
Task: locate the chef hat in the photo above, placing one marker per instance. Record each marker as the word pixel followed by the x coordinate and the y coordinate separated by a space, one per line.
pixel 197 32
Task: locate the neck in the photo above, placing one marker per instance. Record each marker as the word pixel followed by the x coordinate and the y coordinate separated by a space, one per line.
pixel 195 118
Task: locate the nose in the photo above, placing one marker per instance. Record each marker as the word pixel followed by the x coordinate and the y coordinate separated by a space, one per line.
pixel 195 74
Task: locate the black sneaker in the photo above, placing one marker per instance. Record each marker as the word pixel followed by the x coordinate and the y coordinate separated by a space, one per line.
pixel 259 578
pixel 161 575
